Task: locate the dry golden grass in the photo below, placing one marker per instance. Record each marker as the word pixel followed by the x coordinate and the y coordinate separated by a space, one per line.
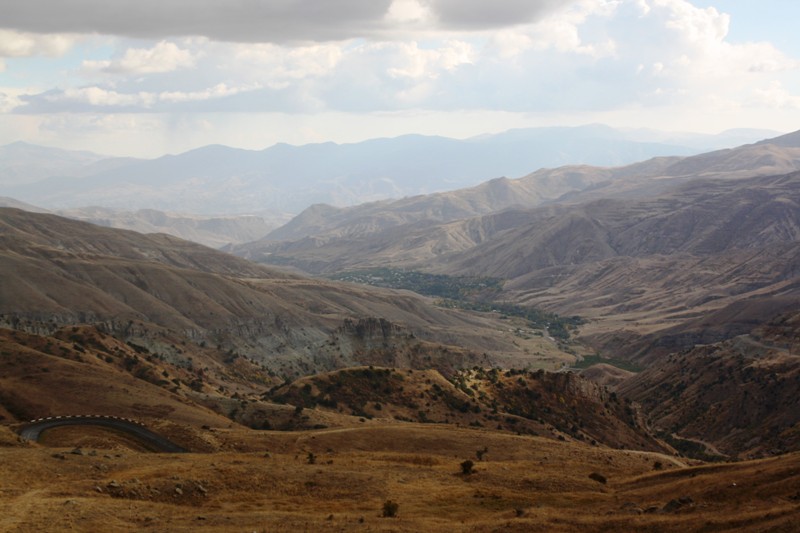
pixel 523 484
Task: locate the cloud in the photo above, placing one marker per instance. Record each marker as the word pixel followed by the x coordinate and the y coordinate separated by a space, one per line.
pixel 9 99
pixel 775 96
pixel 232 20
pixel 482 15
pixel 408 11
pixel 408 60
pixel 22 44
pixel 100 97
pixel 94 98
pixel 275 21
pixel 163 57
pixel 526 56
pixel 276 65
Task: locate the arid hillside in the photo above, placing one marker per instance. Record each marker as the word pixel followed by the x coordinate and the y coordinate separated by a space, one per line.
pixel 157 290
pixel 555 405
pixel 739 396
pixel 643 271
pixel 334 470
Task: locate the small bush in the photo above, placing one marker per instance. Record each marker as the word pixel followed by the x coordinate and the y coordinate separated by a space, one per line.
pixel 390 509
pixel 600 478
pixel 467 467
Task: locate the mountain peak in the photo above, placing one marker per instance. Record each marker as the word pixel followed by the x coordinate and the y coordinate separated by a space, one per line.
pixel 790 140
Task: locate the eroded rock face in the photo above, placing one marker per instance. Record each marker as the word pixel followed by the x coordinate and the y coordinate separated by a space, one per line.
pixel 372 329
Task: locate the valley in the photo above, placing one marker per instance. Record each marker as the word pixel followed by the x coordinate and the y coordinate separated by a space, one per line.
pixel 582 348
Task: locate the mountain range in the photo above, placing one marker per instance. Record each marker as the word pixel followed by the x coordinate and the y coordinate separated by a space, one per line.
pixel 215 180
pixel 568 255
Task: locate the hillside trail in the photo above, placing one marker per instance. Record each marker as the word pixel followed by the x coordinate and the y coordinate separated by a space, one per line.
pixel 709 447
pixel 668 458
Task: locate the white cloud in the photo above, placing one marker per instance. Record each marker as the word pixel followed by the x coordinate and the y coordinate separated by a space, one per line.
pixel 107 98
pixel 9 99
pixel 566 56
pixel 22 44
pixel 775 96
pixel 411 61
pixel 703 26
pixel 97 96
pixel 163 57
pixel 409 11
pixel 220 90
pixel 516 56
pixel 699 56
pixel 276 65
pixel 510 43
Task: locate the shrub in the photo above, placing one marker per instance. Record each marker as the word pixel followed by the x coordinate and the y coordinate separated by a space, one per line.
pixel 390 509
pixel 600 478
pixel 467 467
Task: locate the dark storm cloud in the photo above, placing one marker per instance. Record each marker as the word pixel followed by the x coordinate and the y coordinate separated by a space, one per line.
pixel 484 14
pixel 229 20
pixel 276 21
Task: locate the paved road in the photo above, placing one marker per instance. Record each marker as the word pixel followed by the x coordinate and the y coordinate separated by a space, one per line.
pixel 152 441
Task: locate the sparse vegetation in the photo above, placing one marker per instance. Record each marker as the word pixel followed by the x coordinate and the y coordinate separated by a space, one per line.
pixel 390 509
pixel 600 478
pixel 463 292
pixel 557 326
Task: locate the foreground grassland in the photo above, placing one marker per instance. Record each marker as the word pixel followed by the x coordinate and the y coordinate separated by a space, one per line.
pixel 340 480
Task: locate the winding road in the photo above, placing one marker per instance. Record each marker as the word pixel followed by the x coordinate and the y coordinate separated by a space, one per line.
pixel 152 441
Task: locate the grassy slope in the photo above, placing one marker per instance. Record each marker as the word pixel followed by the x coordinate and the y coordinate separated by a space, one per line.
pixel 524 484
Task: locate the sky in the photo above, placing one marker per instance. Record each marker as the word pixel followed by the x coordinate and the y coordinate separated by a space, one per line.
pixel 149 77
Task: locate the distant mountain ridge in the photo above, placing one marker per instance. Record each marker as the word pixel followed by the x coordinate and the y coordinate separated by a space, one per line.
pixel 217 180
pixel 380 226
pixel 23 163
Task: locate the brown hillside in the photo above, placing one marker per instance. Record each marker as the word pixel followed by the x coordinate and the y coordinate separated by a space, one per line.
pixel 60 272
pixel 556 405
pixel 739 395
